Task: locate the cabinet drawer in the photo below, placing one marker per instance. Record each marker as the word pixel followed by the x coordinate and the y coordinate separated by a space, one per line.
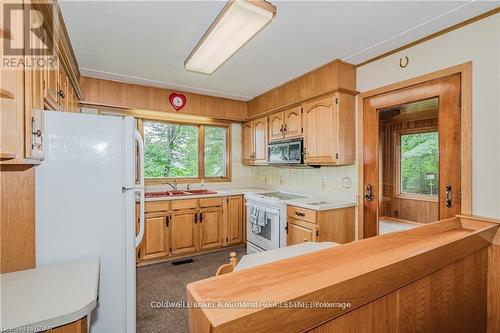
pixel 211 202
pixel 156 206
pixel 184 204
pixel 301 214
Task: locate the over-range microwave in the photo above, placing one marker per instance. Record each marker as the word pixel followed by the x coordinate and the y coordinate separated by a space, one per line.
pixel 286 152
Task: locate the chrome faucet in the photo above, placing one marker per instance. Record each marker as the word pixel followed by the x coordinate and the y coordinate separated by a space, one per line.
pixel 174 185
pixel 187 187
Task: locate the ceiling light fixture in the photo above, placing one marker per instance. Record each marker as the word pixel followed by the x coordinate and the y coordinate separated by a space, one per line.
pixel 235 25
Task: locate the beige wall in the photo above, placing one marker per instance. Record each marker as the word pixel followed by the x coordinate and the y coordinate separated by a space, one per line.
pixel 480 43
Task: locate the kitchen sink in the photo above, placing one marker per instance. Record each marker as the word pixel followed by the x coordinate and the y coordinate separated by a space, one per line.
pixel 176 193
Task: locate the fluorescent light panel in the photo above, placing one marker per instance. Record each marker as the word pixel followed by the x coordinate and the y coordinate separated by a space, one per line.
pixel 235 25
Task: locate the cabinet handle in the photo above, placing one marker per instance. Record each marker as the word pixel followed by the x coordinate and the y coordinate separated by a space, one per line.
pixel 195 218
pixel 286 227
pixel 167 221
pixel 61 93
pixel 201 217
pixel 448 196
pixel 282 129
pixel 300 214
pixel 285 129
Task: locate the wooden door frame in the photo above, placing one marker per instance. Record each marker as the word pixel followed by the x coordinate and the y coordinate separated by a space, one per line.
pixel 465 71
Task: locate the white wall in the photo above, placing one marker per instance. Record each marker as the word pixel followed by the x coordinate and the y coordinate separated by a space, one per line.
pixel 480 43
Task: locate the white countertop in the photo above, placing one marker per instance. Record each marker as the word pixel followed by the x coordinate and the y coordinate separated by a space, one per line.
pixel 320 203
pixel 266 257
pixel 310 202
pixel 49 296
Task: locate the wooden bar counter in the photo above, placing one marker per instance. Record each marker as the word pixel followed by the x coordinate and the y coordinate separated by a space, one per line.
pixel 439 277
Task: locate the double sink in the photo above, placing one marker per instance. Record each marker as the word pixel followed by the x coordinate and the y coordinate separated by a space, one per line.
pixel 176 193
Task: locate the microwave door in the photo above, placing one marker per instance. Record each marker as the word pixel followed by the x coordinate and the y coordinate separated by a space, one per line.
pixel 276 153
pixel 294 152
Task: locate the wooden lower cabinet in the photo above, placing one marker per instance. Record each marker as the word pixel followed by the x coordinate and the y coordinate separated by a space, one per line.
pixel 186 226
pixel 183 231
pixel 233 220
pixel 306 225
pixel 300 232
pixel 156 243
pixel 210 227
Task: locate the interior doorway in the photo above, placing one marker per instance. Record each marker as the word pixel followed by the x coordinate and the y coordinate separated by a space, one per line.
pixel 409 165
pixel 412 153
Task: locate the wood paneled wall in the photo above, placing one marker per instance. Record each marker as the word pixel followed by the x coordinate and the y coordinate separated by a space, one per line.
pixel 17 217
pixel 334 76
pixel 114 94
pixel 391 205
pixel 452 299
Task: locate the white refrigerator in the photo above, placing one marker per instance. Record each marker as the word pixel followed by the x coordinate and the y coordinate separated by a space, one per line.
pixel 86 192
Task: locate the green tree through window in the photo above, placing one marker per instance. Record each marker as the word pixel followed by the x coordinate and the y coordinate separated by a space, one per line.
pixel 420 163
pixel 215 151
pixel 171 150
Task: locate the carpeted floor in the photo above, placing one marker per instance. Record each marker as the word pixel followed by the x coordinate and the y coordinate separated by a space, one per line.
pixel 166 282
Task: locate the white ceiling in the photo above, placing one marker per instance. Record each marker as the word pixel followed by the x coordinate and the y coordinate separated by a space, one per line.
pixel 147 42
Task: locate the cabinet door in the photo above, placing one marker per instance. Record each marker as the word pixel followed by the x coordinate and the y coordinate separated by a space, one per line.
pixel 210 225
pixel 299 232
pixel 346 129
pixel 248 142
pixel 183 231
pixel 293 122
pixel 319 126
pixel 51 79
pixel 233 220
pixel 260 140
pixel 155 237
pixel 276 126
pixel 62 93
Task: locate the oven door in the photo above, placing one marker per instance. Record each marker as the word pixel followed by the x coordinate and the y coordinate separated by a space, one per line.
pixel 267 237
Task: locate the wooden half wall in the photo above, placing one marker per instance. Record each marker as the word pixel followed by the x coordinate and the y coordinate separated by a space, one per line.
pixel 119 95
pixel 439 277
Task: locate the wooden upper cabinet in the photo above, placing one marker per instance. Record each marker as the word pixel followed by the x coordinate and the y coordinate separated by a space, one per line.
pixel 276 126
pixel 62 92
pixel 233 220
pixel 260 140
pixel 255 141
pixel 329 130
pixel 285 124
pixel 50 80
pixel 183 231
pixel 156 242
pixel 293 122
pixel 248 143
pixel 210 224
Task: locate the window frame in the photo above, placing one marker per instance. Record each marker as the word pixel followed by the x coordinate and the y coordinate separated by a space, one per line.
pixel 397 169
pixel 201 152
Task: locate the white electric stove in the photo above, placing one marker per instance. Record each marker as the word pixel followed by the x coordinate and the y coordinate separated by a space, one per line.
pixel 273 235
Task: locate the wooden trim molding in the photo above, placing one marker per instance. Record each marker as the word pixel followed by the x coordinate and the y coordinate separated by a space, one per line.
pixel 465 70
pixel 432 36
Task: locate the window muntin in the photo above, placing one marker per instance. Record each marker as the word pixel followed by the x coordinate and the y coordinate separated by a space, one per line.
pixel 419 163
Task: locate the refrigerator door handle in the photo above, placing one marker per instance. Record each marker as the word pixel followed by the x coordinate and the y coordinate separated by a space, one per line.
pixel 140 235
pixel 140 145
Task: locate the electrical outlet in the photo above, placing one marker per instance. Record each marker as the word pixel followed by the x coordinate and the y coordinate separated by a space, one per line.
pixel 346 183
pixel 323 183
pixel 281 180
